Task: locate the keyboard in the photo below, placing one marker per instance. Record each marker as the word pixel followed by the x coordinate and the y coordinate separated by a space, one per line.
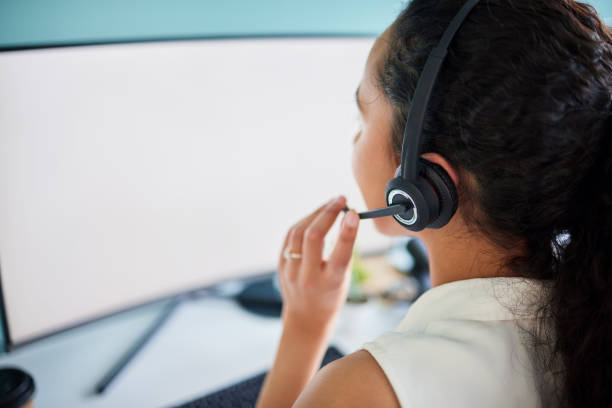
pixel 244 393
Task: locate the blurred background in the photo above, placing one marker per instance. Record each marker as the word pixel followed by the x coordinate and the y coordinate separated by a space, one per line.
pixel 153 155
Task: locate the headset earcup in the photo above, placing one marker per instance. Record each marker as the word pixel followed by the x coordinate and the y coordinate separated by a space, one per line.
pixel 445 189
pixel 400 191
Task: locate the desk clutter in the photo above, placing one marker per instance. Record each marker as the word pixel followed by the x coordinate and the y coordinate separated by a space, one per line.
pixel 400 274
pixel 244 393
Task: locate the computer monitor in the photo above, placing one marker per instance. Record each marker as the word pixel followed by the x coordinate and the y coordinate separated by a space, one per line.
pixel 131 172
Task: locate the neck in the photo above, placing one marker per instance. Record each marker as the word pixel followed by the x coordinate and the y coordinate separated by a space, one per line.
pixel 452 258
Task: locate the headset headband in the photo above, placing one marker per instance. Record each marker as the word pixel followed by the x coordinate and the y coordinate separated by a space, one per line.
pixel 411 146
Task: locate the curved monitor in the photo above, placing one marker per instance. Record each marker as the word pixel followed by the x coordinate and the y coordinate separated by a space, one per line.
pixel 132 172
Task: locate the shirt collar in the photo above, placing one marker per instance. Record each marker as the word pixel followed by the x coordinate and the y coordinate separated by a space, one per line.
pixel 484 299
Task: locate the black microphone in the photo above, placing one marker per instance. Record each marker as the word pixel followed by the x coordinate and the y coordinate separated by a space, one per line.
pixel 382 212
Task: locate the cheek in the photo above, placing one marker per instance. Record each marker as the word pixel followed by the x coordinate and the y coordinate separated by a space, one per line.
pixel 364 170
pixel 356 162
pixel 369 170
pixel 371 180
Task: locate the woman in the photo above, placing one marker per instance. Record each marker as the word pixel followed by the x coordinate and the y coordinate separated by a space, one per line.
pixel 520 310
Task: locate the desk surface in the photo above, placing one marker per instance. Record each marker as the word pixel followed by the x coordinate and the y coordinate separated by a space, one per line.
pixel 206 344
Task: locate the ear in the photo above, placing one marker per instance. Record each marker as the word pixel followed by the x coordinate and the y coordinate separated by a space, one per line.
pixel 440 160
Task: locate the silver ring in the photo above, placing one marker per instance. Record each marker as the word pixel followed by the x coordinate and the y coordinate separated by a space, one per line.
pixel 293 255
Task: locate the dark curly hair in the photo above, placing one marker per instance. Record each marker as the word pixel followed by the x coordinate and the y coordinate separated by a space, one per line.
pixel 523 105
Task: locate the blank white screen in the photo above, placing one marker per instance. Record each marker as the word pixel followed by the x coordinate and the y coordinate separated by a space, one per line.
pixel 130 172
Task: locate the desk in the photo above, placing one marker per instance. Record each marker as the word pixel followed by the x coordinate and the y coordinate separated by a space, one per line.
pixel 206 344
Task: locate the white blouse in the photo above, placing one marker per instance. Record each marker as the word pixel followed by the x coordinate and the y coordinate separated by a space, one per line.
pixel 461 345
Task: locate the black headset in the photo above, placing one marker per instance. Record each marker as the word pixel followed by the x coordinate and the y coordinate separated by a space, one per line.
pixel 422 194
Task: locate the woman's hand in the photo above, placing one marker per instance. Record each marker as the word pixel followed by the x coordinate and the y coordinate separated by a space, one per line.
pixel 314 289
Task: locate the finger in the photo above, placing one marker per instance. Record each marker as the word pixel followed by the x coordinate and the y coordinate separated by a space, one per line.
pixel 281 258
pixel 302 224
pixel 292 265
pixel 343 251
pixel 315 234
pixel 299 227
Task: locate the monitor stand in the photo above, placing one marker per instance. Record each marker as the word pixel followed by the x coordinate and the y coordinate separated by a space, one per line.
pixel 127 357
pixel 260 296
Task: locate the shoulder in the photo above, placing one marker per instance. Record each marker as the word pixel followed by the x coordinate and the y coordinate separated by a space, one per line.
pixel 355 380
pixel 457 363
pixel 452 363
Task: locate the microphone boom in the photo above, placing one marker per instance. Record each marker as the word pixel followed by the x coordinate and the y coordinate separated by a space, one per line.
pixel 382 212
